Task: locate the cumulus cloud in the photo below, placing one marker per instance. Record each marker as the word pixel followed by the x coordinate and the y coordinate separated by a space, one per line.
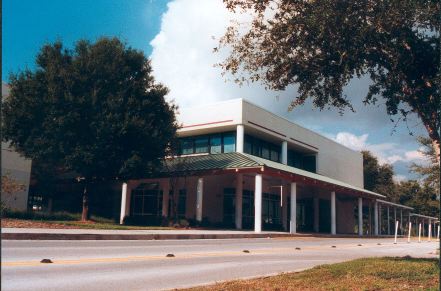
pixel 385 152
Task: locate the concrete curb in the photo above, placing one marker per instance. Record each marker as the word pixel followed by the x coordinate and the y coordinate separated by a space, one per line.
pixel 86 236
pixel 89 236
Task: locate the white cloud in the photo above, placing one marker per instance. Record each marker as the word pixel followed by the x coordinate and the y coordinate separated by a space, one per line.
pixel 385 152
pixel 399 178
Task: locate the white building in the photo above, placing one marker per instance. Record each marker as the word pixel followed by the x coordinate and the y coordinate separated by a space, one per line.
pixel 244 167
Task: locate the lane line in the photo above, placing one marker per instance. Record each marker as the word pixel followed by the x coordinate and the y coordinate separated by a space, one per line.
pixel 282 251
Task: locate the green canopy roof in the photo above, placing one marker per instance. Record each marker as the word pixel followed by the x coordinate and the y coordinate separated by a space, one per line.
pixel 198 163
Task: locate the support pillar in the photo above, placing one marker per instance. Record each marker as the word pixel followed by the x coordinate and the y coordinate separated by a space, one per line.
pixel 258 203
pixel 125 203
pixel 316 214
pixel 360 216
pixel 284 153
pixel 240 136
pixel 199 199
pixel 165 198
pixel 293 218
pixel 376 217
pixel 333 214
pixel 401 221
pixel 239 192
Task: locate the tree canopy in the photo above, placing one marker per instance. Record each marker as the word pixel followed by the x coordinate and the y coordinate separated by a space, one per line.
pixel 95 110
pixel 420 195
pixel 322 45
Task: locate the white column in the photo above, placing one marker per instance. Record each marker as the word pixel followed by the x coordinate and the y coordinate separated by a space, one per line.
pixel 360 216
pixel 239 191
pixel 401 221
pixel 258 203
pixel 285 208
pixel 376 217
pixel 284 156
pixel 429 234
pixel 165 198
pixel 293 218
pixel 333 214
pixel 240 136
pixel 124 200
pixel 316 214
pixel 199 198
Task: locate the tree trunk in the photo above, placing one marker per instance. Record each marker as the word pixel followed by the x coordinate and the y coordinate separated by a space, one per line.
pixel 85 214
pixel 436 147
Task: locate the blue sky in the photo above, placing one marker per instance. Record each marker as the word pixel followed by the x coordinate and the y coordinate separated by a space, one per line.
pixel 179 37
pixel 28 24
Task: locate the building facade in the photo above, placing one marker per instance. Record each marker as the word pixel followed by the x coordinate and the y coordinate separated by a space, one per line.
pixel 18 169
pixel 240 166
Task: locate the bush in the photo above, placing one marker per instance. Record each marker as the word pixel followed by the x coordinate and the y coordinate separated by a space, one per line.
pixel 35 215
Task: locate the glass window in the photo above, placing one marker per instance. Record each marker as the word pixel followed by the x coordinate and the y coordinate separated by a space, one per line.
pixel 265 152
pixel 229 143
pixel 248 145
pixel 274 155
pixel 216 144
pixel 187 146
pixel 256 148
pixel 201 144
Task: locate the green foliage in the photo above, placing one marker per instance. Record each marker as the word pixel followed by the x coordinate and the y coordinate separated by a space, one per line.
pixel 422 198
pixel 35 215
pixel 430 173
pixel 322 45
pixel 378 178
pixel 95 110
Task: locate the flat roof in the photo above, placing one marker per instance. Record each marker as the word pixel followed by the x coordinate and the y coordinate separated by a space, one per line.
pixel 424 216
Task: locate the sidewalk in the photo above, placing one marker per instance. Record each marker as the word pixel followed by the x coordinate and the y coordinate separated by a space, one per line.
pixel 103 234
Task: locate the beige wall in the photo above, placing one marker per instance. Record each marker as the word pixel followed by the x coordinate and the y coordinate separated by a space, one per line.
pixel 19 169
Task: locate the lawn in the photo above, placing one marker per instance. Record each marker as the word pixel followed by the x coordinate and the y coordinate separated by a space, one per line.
pixel 363 274
pixel 67 224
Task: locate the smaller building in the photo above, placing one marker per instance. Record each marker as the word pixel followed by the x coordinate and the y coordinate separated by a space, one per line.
pixel 17 168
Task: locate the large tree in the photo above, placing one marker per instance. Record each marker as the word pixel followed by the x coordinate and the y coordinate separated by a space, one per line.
pixel 95 110
pixel 321 45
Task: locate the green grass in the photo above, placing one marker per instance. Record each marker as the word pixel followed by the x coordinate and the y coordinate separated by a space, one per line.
pixel 100 225
pixel 363 274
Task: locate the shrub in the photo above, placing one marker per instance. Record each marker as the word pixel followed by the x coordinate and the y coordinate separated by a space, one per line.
pixel 34 215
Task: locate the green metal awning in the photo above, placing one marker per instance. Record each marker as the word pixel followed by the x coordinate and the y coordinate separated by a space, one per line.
pixel 191 165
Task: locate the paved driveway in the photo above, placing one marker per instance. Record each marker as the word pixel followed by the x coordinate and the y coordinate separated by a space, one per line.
pixel 143 265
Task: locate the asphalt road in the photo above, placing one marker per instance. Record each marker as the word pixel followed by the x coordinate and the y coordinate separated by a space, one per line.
pixel 143 265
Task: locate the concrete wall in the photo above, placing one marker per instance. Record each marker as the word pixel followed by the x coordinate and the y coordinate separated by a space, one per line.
pixel 19 169
pixel 333 159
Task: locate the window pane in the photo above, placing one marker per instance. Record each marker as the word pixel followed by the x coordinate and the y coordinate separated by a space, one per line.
pixel 265 152
pixel 216 144
pixel 187 146
pixel 229 143
pixel 201 144
pixel 274 155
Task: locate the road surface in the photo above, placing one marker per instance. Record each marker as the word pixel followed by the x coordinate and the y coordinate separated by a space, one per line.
pixel 144 265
